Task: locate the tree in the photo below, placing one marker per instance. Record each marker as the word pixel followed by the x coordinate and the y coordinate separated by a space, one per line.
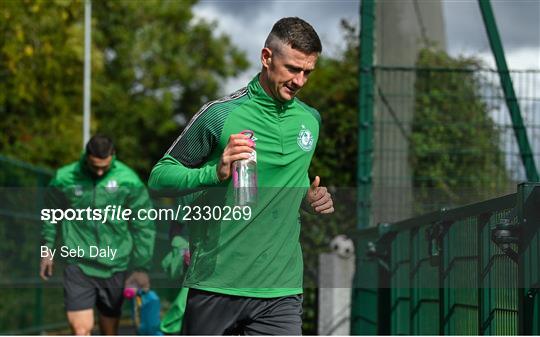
pixel 455 144
pixel 160 66
pixel 41 76
pixel 333 90
pixel 153 65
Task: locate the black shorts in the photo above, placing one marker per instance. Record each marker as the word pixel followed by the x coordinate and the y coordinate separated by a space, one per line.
pixel 210 313
pixel 83 292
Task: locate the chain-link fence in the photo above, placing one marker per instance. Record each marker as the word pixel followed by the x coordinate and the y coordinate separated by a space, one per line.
pixel 444 137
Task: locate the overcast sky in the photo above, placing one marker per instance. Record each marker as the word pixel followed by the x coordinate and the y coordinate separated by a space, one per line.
pixel 248 23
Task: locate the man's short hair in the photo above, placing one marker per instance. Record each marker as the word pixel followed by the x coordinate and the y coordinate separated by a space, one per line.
pixel 296 33
pixel 100 146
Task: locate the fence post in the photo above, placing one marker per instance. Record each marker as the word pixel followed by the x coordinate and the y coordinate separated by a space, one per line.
pixel 365 120
pixel 508 90
pixel 529 258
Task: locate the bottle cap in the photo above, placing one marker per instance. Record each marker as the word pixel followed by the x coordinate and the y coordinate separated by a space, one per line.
pixel 249 133
pixel 130 292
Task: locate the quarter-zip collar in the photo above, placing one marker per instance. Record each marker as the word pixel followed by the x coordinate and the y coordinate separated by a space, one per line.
pixel 269 103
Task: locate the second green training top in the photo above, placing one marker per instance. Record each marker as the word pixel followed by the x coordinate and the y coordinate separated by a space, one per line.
pixel 75 187
pixel 259 257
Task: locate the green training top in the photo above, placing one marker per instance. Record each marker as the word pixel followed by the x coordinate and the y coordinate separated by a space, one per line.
pixel 261 256
pixel 74 187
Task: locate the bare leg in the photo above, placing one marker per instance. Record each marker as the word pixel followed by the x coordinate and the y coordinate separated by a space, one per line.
pixel 81 321
pixel 108 325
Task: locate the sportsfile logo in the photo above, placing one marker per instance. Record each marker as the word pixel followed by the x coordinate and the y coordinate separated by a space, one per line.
pixel 111 212
pixel 120 213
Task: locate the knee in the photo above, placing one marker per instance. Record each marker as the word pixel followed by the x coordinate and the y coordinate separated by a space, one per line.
pixel 82 330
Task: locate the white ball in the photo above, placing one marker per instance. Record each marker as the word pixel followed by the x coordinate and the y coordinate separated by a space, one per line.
pixel 342 246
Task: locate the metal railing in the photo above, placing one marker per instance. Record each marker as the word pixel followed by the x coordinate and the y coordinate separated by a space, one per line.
pixel 469 270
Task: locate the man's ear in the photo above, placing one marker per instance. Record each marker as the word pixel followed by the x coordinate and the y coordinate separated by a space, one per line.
pixel 266 57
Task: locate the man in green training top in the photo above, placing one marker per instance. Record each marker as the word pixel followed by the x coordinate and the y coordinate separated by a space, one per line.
pixel 103 249
pixel 246 276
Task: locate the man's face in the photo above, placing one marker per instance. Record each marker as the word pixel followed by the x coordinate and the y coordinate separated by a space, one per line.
pixel 287 70
pixel 98 166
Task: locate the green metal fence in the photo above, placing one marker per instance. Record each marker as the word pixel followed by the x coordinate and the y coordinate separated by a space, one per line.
pixel 23 298
pixel 367 288
pixel 469 270
pixel 443 138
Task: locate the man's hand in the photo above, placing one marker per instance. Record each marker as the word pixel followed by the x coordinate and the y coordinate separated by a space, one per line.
pixel 239 147
pixel 140 279
pixel 46 268
pixel 319 198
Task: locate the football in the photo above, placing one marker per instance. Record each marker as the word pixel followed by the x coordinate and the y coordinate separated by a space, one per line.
pixel 342 246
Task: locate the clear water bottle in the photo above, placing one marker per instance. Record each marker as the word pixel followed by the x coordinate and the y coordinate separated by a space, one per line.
pixel 245 177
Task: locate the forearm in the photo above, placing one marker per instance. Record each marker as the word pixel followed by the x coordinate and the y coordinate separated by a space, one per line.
pixel 169 173
pixel 48 234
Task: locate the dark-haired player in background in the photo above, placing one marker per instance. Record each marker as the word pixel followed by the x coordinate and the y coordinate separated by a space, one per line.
pixel 97 180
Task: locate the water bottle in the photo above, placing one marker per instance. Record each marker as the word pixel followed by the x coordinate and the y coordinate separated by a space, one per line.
pixel 150 314
pixel 145 306
pixel 245 177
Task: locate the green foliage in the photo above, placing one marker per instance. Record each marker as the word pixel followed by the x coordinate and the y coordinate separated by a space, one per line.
pixel 333 90
pixel 159 62
pixel 454 149
pixel 152 62
pixel 40 77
